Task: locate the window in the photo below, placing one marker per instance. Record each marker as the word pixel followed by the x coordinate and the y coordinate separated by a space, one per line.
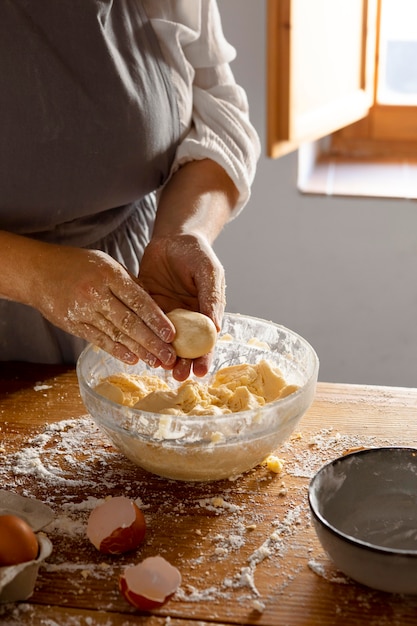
pixel 397 49
pixel 346 71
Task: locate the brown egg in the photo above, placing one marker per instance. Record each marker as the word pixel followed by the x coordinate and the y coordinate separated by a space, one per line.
pixel 116 526
pixel 150 583
pixel 18 542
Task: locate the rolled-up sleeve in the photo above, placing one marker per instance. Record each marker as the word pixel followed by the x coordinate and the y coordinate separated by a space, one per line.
pixel 213 109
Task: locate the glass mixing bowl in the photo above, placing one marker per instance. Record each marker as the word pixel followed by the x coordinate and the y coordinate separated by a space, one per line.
pixel 209 447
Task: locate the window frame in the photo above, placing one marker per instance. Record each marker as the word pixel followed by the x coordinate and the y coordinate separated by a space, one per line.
pixel 373 131
pixel 388 132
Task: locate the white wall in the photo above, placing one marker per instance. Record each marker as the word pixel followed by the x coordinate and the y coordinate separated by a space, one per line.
pixel 342 272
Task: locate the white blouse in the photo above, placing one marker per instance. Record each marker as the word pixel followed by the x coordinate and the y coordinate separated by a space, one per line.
pixel 213 109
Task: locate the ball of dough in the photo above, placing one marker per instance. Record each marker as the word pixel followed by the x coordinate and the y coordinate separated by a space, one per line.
pixel 196 333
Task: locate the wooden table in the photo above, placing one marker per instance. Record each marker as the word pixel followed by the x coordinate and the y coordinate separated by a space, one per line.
pixel 246 548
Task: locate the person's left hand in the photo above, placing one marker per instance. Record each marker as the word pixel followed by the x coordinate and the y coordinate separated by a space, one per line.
pixel 184 272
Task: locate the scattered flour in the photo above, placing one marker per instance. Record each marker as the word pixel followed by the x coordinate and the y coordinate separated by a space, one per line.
pixel 40 387
pixel 327 571
pixel 306 459
pixel 73 457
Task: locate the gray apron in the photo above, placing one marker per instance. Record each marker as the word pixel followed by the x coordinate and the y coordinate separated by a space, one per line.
pixel 89 129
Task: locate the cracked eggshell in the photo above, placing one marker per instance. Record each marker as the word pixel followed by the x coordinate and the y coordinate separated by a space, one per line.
pixel 149 584
pixel 116 526
pixel 17 582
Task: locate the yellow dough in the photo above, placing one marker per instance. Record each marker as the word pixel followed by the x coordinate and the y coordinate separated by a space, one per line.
pixel 196 333
pixel 232 389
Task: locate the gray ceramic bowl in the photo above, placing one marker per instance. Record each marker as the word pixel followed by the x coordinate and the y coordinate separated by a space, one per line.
pixel 202 448
pixel 364 510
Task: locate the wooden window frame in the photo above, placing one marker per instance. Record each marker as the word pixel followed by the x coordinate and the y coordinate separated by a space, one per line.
pixel 378 132
pixel 387 133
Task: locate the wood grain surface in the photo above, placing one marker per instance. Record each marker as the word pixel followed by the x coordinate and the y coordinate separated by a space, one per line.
pixel 246 548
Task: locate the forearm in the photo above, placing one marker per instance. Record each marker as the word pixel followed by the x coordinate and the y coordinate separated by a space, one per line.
pixel 88 294
pixel 19 259
pixel 199 199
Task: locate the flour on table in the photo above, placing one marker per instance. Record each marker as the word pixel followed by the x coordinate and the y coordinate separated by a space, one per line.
pixel 74 457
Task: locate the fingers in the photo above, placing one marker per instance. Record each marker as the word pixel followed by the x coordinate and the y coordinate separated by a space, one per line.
pixel 200 366
pixel 133 342
pixel 115 343
pixel 181 369
pixel 137 305
pixel 125 321
pixel 133 330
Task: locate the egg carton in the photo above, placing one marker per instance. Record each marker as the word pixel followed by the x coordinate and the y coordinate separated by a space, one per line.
pixel 17 582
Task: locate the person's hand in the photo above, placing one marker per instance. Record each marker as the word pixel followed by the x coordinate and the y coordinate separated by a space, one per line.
pixel 90 295
pixel 183 271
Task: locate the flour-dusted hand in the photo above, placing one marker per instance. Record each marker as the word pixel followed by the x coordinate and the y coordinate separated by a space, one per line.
pixel 88 294
pixel 184 272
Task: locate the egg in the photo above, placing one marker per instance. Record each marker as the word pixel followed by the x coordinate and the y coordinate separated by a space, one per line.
pixel 116 526
pixel 150 583
pixel 18 542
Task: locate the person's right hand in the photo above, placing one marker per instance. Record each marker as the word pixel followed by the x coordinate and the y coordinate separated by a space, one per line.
pixel 90 295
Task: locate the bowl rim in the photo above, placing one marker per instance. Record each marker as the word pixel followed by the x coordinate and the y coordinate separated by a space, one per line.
pixel 287 400
pixel 358 543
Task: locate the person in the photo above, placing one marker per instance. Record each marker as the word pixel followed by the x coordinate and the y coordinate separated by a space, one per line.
pixel 126 147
